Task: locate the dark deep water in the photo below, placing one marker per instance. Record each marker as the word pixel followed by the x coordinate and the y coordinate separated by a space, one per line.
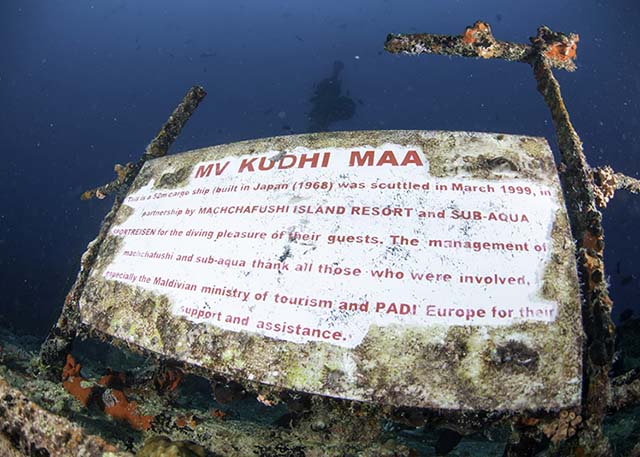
pixel 85 85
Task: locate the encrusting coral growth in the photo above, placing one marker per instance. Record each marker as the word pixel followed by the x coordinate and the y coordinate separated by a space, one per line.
pixel 481 38
pixel 120 408
pixel 28 429
pixel 559 48
pixel 112 401
pixel 564 427
pixel 73 382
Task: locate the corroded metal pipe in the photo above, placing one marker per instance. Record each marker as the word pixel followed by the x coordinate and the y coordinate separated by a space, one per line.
pixel 158 147
pixel 60 339
pixel 478 41
pixel 551 49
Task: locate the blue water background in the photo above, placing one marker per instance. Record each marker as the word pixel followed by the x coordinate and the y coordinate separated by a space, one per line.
pixel 85 85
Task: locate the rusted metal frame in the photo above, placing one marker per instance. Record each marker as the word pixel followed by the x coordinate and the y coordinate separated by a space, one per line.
pixel 455 45
pixel 586 225
pixel 60 339
pixel 158 147
pixel 478 41
pixel 551 49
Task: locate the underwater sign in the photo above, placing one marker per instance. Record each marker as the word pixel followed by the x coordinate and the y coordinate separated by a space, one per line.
pixel 414 268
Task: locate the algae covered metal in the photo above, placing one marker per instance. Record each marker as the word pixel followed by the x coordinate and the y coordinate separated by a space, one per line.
pixel 412 268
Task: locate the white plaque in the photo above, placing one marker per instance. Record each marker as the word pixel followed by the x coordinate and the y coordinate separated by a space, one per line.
pixel 428 269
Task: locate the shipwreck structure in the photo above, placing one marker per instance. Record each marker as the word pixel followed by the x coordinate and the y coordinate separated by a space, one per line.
pixel 356 328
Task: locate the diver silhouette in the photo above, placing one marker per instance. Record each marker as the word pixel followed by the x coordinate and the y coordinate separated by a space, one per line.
pixel 328 105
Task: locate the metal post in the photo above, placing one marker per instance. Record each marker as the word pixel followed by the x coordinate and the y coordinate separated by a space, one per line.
pixel 551 49
pixel 60 339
